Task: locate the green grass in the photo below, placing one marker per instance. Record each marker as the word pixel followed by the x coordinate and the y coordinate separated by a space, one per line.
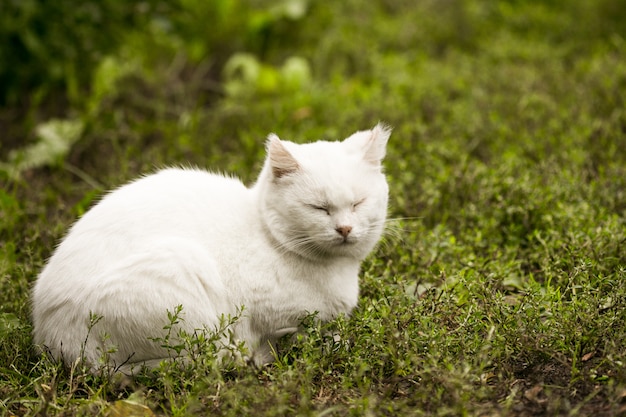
pixel 500 288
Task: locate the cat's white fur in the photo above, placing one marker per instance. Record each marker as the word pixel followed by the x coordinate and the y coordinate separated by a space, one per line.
pixel 290 245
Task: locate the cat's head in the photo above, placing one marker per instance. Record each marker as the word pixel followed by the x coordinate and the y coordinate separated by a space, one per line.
pixel 326 199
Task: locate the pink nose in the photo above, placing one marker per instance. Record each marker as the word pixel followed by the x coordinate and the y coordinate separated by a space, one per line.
pixel 344 230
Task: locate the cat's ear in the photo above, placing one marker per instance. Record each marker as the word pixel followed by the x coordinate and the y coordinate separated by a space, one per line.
pixel 373 143
pixel 281 161
pixel 376 147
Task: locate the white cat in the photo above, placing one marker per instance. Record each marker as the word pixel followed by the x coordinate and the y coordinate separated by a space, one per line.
pixel 290 245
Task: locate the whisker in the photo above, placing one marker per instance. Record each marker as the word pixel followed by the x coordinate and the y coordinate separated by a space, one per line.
pixel 301 244
pixel 405 218
pixel 309 244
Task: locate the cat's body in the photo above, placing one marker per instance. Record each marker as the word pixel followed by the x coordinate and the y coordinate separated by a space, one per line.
pixel 288 246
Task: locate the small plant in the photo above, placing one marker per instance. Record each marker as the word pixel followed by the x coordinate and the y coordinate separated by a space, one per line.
pixel 202 348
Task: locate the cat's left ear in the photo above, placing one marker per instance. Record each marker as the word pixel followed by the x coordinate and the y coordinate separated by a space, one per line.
pixel 373 143
pixel 281 161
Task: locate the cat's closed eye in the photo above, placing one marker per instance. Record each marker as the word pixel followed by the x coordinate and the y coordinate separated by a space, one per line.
pixel 320 207
pixel 357 204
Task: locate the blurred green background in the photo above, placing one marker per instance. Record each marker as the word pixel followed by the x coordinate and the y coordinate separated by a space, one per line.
pixel 504 270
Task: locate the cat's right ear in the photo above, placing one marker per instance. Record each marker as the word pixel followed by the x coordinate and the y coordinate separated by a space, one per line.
pixel 371 143
pixel 375 148
pixel 281 161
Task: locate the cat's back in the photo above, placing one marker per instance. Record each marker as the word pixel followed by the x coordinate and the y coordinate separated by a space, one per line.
pixel 172 187
pixel 182 203
pixel 170 198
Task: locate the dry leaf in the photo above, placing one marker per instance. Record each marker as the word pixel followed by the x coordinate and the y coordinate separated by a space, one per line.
pixel 126 408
